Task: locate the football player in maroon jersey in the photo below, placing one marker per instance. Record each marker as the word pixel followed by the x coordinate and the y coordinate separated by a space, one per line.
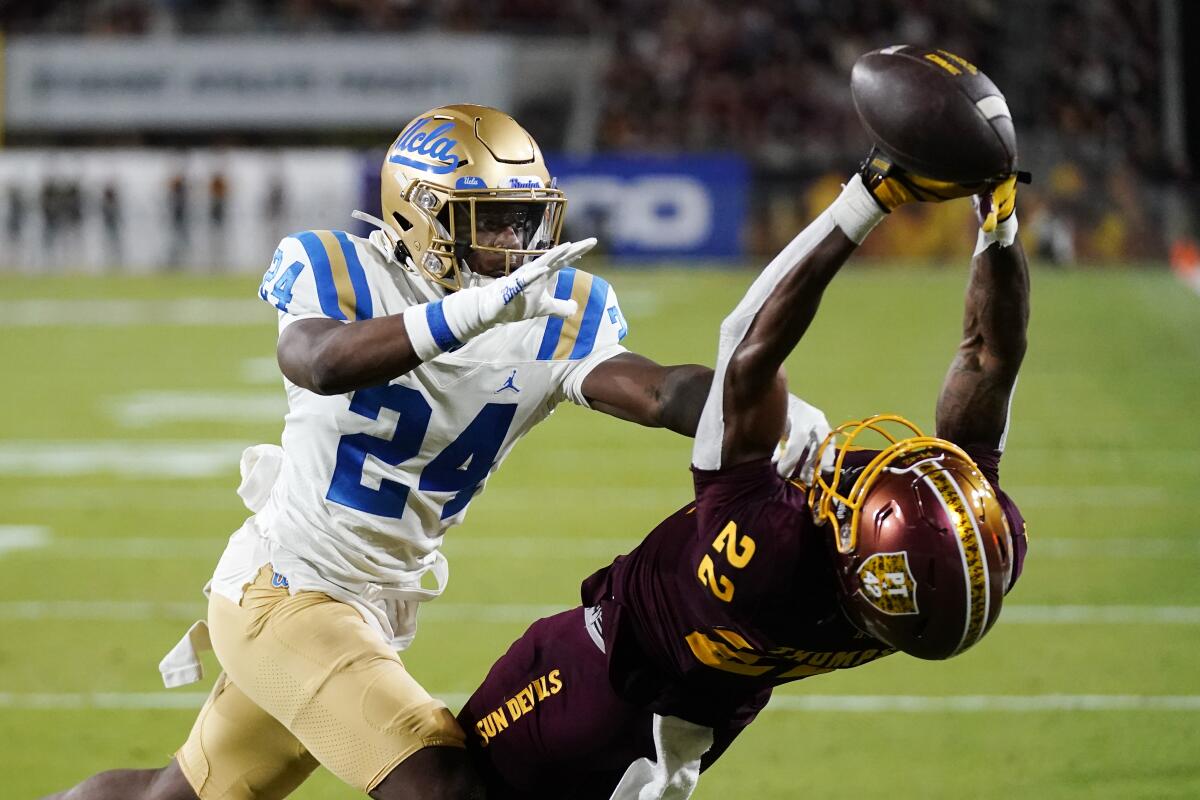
pixel 908 547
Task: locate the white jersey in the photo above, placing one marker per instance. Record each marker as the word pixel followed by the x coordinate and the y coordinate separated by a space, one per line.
pixel 368 482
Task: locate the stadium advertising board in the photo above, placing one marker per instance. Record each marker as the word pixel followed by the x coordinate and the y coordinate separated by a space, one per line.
pixel 199 83
pixel 657 206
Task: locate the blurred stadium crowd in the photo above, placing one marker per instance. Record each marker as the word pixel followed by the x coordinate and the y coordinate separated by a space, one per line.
pixel 768 79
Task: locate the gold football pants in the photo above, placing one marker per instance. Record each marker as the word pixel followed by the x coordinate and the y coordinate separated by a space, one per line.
pixel 306 681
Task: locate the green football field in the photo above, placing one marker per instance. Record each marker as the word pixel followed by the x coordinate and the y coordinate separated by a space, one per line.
pixel 127 401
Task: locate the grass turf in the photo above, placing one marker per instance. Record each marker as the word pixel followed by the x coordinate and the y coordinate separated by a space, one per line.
pixel 1104 458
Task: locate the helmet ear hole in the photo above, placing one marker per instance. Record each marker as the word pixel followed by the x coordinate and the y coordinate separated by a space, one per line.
pixel 1003 542
pixel 404 224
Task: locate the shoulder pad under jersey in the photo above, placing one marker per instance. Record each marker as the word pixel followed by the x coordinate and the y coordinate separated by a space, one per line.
pixel 596 324
pixel 318 273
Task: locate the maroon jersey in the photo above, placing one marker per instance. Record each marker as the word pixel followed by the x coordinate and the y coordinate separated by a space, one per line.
pixel 732 596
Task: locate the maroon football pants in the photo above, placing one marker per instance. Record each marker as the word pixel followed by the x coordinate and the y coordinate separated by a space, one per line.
pixel 545 723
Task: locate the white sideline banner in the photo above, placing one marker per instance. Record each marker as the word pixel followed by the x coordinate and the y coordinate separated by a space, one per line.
pixel 311 82
pixel 140 211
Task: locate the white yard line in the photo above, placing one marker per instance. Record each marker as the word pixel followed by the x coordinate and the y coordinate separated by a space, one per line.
pixel 524 613
pixel 99 610
pixel 69 701
pixel 138 459
pixel 199 311
pixel 263 370
pixel 1123 548
pixel 458 546
pixel 1103 496
pixel 1029 703
pixel 144 409
pixel 135 548
pixel 1115 456
pixel 1100 615
pixel 59 548
pixel 780 703
pixel 179 497
pixel 36 542
pixel 22 537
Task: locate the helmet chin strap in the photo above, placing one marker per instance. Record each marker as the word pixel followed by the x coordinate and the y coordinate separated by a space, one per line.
pixel 370 219
pixel 432 292
pixel 468 277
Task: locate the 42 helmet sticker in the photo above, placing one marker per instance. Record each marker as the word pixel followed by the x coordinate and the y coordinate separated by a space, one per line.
pixel 887 583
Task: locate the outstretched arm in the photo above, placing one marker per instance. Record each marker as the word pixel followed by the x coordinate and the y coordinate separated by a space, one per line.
pixel 974 401
pixel 755 398
pixel 744 413
pixel 632 387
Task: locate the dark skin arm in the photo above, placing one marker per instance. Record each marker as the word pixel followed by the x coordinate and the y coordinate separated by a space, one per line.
pixel 755 389
pixel 973 405
pixel 330 357
pixel 634 388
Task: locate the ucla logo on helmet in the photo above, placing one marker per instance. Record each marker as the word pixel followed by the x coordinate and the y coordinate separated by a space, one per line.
pixel 470 182
pixel 427 149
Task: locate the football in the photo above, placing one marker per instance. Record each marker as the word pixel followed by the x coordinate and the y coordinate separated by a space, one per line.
pixel 934 113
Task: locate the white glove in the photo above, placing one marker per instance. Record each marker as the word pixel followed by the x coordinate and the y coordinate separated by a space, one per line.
pixel 796 454
pixel 527 293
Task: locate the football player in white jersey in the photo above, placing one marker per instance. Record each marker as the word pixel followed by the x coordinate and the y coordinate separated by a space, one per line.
pixel 413 361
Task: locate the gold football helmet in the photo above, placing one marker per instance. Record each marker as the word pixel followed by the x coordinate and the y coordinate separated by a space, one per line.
pixel 448 172
pixel 923 549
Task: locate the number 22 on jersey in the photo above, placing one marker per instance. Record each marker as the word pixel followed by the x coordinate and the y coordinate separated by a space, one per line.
pixel 459 468
pixel 738 550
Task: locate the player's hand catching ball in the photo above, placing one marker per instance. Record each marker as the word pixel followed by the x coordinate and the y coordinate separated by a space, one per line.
pixel 892 186
pixel 997 205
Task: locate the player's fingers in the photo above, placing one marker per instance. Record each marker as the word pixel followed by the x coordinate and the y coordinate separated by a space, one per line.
pixel 983 204
pixel 1005 197
pixel 568 254
pixel 579 249
pixel 989 222
pixel 543 264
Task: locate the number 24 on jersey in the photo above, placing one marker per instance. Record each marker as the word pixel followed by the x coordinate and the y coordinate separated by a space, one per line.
pixel 459 468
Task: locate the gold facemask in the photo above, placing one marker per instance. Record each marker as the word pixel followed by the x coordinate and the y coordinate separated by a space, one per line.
pixel 448 164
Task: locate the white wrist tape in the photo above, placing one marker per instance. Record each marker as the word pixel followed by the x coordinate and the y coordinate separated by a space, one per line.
pixel 855 211
pixel 1004 235
pixel 428 330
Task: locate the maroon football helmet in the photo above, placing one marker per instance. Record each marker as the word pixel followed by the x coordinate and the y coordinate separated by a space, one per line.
pixel 923 550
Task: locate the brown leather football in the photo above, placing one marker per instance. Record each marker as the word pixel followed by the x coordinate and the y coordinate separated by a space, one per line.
pixel 934 113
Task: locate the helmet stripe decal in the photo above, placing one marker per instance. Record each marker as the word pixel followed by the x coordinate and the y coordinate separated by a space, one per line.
pixel 970 548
